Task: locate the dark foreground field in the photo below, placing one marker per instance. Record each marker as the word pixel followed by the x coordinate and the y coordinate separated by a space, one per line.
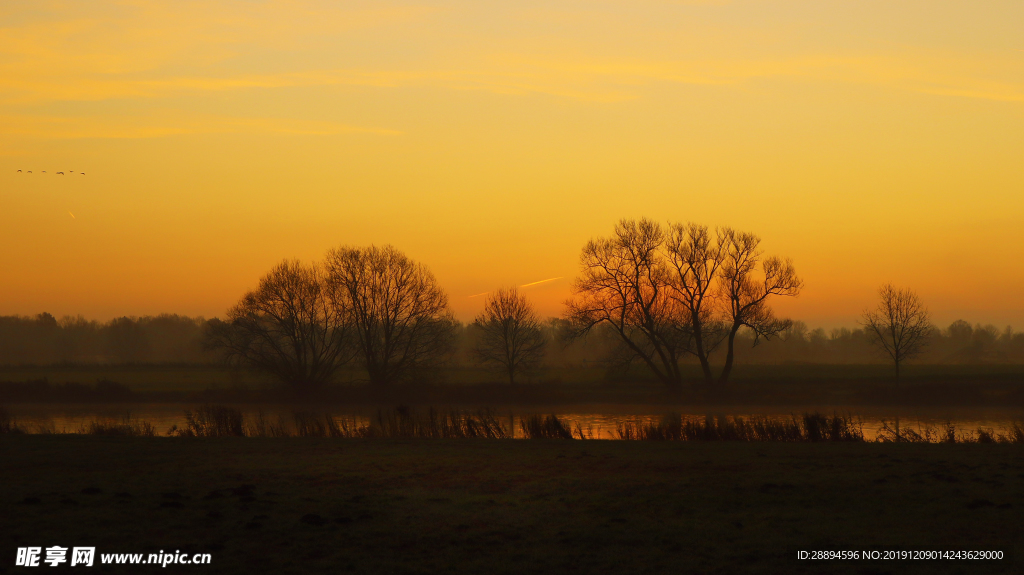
pixel 306 505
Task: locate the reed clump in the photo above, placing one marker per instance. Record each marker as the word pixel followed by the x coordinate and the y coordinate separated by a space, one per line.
pixel 810 427
pixel 947 433
pixel 547 427
pixel 312 425
pixel 126 426
pixel 211 421
pixel 49 428
pixel 262 426
pixel 7 423
pixel 1015 433
pixel 402 422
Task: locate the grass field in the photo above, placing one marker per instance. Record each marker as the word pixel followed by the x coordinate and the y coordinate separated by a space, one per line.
pixel 306 505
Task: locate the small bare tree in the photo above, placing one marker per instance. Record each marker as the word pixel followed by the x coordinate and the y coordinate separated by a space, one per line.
pixel 899 326
pixel 511 334
pixel 400 316
pixel 287 328
pixel 747 292
pixel 624 284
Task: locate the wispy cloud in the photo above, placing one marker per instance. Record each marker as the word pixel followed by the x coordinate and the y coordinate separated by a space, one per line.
pixel 541 282
pixel 169 124
pixel 599 80
pixel 142 49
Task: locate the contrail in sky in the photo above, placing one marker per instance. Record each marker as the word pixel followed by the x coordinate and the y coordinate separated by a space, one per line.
pixel 542 281
pixel 73 216
pixel 522 286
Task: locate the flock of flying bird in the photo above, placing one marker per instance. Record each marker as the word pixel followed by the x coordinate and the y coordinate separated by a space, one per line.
pixel 57 173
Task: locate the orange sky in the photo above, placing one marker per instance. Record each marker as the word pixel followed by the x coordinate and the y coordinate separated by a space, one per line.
pixel 870 141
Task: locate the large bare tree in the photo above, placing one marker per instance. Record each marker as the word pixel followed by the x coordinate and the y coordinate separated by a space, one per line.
pixel 747 290
pixel 511 335
pixel 624 283
pixel 695 258
pixel 286 327
pixel 668 294
pixel 401 319
pixel 899 325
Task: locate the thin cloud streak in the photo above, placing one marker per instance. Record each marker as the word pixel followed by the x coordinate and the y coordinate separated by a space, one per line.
pixel 64 127
pixel 541 281
pixel 598 81
pixel 116 50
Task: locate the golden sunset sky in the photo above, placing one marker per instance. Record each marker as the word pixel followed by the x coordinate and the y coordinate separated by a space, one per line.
pixel 870 141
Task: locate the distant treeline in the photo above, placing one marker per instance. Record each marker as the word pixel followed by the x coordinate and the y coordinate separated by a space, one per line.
pixel 44 339
pixel 168 338
pixel 957 343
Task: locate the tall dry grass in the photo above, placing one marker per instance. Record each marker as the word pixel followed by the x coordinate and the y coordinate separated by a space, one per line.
pixel 948 433
pixel 549 427
pixel 261 426
pixel 312 425
pixel 211 421
pixel 809 427
pixel 7 423
pixel 400 422
pixel 1015 433
pixel 126 426
pixel 435 424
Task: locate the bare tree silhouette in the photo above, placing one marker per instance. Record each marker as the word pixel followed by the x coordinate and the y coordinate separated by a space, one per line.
pixel 695 259
pixel 624 283
pixel 747 292
pixel 401 318
pixel 511 334
pixel 286 327
pixel 899 326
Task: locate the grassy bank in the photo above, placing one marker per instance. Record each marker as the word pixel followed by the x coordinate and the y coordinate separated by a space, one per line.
pixel 300 505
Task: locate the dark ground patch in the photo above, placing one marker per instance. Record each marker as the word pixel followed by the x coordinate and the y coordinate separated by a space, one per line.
pixel 491 506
